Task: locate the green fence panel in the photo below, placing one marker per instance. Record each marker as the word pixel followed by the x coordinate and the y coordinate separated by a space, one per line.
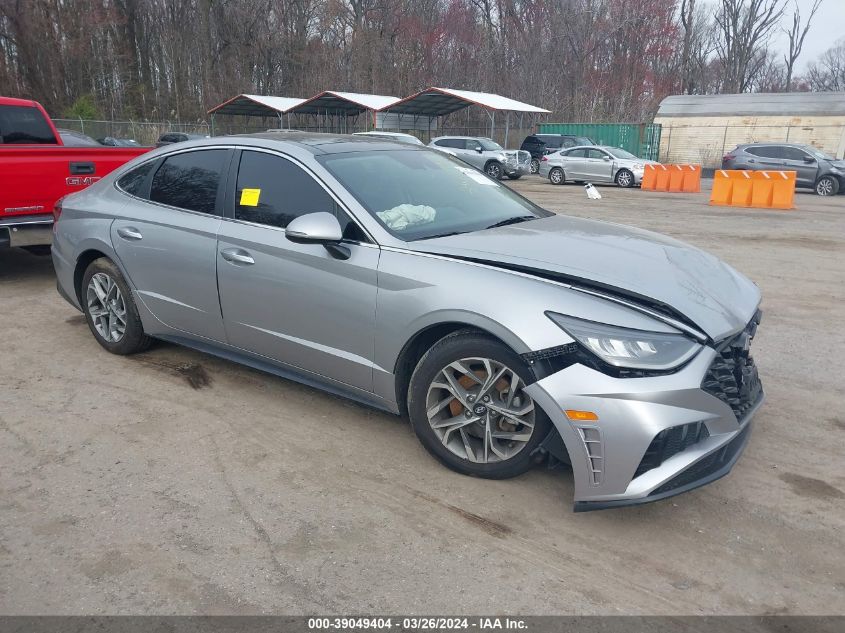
pixel 641 139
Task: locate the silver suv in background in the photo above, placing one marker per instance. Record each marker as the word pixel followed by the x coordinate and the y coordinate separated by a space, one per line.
pixel 599 163
pixel 486 154
pixel 815 169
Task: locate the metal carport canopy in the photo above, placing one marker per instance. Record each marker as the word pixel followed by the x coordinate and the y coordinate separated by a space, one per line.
pixel 433 102
pixel 348 103
pixel 256 105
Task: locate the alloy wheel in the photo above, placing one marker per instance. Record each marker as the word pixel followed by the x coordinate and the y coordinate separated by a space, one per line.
pixel 824 187
pixel 494 171
pixel 535 166
pixel 106 307
pixel 478 409
pixel 624 179
pixel 556 176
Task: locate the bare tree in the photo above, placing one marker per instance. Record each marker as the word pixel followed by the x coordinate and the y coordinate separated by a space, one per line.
pixel 827 74
pixel 796 36
pixel 743 29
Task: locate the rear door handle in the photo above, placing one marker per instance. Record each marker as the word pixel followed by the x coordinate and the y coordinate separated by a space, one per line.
pixel 237 256
pixel 82 169
pixel 129 233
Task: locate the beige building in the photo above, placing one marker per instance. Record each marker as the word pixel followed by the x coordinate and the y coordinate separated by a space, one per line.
pixel 702 128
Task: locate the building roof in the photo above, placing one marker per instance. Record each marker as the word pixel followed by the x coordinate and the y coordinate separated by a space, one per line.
pixel 348 103
pixel 442 101
pixel 766 104
pixel 256 105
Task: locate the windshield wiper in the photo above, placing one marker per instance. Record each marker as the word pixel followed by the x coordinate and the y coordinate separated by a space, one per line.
pixel 431 237
pixel 514 220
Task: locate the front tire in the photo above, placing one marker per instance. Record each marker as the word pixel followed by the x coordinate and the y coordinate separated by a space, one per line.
pixel 110 309
pixel 827 186
pixel 625 178
pixel 468 407
pixel 556 176
pixel 514 176
pixel 494 170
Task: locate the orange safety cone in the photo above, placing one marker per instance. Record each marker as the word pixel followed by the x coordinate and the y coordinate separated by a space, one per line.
pixel 662 183
pixel 761 193
pixel 649 177
pixel 743 186
pixel 783 189
pixel 692 179
pixel 722 188
pixel 676 179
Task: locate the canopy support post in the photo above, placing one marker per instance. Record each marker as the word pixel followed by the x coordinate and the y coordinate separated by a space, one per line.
pixel 507 126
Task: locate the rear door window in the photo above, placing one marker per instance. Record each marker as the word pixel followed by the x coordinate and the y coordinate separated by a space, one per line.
pixel 766 151
pixel 190 180
pixel 22 125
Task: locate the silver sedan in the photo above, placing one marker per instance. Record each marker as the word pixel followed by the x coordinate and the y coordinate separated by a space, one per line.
pixel 597 164
pixel 405 279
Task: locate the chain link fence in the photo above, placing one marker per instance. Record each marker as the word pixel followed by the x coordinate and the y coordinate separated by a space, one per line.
pixel 144 132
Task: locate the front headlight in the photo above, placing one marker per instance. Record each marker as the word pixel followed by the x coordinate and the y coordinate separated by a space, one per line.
pixel 638 166
pixel 622 347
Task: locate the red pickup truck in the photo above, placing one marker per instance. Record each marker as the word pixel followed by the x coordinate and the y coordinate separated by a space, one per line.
pixel 37 169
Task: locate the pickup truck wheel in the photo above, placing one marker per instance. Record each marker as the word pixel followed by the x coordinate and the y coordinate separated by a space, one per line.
pixel 827 186
pixel 110 310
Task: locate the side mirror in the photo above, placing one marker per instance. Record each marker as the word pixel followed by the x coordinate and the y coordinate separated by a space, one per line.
pixel 314 227
pixel 319 228
pixel 479 150
pixel 605 157
pixel 809 160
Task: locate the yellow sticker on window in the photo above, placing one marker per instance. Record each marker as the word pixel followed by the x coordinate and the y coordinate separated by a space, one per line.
pixel 249 197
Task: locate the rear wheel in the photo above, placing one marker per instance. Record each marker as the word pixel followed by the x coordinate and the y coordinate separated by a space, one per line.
pixel 514 176
pixel 493 169
pixel 556 176
pixel 468 406
pixel 110 310
pixel 827 186
pixel 535 166
pixel 625 178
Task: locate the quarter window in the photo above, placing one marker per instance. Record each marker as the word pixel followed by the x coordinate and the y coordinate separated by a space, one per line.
pixel 134 181
pixel 190 180
pixel 272 190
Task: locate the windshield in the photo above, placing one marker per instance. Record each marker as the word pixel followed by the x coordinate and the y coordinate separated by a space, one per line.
pixel 488 145
pixel 817 153
pixel 420 194
pixel 621 153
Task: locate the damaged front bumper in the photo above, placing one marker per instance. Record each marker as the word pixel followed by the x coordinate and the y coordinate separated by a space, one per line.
pixel 655 436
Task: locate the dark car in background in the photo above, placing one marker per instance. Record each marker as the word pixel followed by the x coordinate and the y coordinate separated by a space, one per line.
pixel 538 145
pixel 815 169
pixel 177 137
pixel 111 141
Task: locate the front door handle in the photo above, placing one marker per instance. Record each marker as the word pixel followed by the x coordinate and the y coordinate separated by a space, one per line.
pixel 129 233
pixel 237 256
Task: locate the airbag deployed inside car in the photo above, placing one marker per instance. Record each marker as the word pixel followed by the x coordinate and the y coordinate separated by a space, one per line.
pixel 405 215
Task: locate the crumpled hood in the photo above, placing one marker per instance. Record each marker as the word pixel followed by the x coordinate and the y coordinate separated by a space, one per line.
pixel 620 259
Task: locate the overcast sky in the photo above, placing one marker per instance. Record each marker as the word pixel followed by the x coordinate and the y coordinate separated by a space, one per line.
pixel 828 25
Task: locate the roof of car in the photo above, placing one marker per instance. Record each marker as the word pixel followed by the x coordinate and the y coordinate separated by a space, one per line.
pixel 779 144
pixel 468 138
pixel 314 142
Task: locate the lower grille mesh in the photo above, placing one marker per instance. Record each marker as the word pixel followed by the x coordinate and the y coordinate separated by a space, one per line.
pixel 670 442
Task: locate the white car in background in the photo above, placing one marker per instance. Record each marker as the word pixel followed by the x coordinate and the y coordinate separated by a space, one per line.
pixel 485 154
pixel 595 163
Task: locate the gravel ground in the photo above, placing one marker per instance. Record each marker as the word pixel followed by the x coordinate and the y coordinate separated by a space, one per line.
pixel 173 482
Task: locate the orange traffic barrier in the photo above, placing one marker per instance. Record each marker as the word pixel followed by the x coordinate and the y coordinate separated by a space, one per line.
pixel 672 178
pixel 757 190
